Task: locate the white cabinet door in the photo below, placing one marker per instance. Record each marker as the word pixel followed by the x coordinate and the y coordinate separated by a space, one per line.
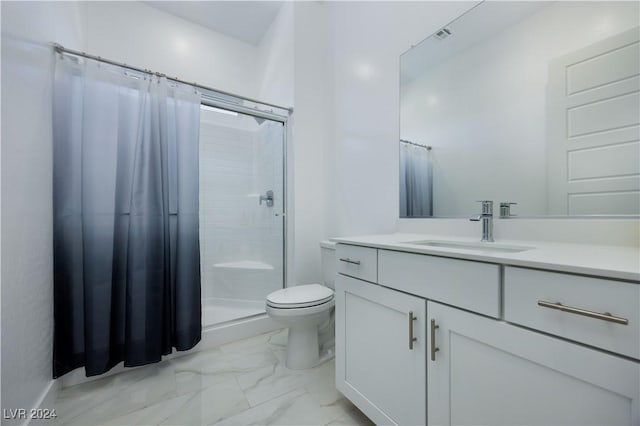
pixel 490 372
pixel 375 366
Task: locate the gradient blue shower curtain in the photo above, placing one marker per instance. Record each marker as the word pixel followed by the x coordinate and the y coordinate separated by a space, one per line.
pixel 416 181
pixel 125 195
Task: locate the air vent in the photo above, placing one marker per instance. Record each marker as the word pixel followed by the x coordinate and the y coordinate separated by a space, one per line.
pixel 443 33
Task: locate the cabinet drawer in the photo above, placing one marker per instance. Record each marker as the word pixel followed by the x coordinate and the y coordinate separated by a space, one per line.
pixel 525 290
pixel 470 285
pixel 358 262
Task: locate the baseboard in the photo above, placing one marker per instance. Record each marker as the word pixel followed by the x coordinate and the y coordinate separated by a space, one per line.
pixel 46 403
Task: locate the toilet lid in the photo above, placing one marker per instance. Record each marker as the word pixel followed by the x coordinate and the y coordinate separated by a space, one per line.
pixel 300 296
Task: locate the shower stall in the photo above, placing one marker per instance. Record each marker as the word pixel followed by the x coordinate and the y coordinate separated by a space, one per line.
pixel 242 203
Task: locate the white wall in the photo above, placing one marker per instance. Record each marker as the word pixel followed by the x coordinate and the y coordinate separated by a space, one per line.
pixel 369 38
pixel 275 66
pixel 312 135
pixel 143 36
pixel 27 258
pixel 485 108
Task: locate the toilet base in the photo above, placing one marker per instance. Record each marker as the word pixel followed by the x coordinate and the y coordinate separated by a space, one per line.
pixel 302 348
pixel 303 344
pixel 300 353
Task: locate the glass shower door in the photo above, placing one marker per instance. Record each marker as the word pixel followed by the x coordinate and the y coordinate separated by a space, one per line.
pixel 241 213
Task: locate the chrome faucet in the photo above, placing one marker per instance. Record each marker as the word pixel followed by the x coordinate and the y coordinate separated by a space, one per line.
pixel 487 220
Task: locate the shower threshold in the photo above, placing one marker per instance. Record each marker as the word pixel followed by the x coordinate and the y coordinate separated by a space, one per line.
pixel 217 310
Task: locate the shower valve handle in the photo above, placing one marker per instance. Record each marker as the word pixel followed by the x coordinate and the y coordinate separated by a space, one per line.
pixel 268 198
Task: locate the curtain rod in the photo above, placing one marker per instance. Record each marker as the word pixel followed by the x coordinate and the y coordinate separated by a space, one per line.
pixel 416 144
pixel 61 49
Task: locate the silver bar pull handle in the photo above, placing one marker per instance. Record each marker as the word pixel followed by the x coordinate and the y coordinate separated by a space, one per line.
pixel 346 259
pixel 434 349
pixel 411 338
pixel 606 316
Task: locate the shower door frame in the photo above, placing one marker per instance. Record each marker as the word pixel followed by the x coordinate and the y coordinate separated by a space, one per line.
pixel 209 99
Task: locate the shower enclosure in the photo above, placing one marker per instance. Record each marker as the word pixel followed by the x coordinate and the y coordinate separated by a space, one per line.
pixel 242 200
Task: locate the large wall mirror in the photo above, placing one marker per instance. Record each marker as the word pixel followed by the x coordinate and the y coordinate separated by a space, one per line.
pixel 535 103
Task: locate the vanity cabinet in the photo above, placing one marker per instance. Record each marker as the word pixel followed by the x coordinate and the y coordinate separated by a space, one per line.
pixel 494 343
pixel 483 371
pixel 381 351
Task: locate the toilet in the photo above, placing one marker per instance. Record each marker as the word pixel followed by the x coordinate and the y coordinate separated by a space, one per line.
pixel 307 310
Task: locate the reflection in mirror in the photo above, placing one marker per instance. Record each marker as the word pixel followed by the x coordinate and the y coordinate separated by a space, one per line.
pixel 415 180
pixel 536 103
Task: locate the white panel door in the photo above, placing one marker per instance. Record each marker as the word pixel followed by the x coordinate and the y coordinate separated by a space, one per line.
pixel 488 372
pixel 594 129
pixel 375 366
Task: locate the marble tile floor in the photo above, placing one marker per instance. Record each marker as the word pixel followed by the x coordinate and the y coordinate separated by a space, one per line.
pixel 240 383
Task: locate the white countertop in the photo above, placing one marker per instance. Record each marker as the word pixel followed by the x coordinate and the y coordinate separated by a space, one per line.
pixel 617 262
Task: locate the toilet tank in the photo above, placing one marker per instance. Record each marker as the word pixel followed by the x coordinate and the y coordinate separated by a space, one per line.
pixel 328 254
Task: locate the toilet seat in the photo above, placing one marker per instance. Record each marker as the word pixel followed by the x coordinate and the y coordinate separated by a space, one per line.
pixel 301 296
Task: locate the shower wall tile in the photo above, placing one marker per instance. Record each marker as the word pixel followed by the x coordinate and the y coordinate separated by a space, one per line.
pixel 225 179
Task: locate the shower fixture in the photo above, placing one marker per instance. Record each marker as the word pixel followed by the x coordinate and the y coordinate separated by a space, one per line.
pixel 268 198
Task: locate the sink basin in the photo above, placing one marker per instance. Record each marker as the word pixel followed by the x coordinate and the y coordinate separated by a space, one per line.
pixel 460 245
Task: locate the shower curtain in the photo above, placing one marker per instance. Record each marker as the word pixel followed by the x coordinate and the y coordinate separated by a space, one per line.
pixel 415 181
pixel 125 195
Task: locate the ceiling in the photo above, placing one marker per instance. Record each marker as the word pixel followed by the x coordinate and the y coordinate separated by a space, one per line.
pixel 481 22
pixel 247 21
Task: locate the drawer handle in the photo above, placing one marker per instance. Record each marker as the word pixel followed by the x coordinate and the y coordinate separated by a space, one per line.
pixel 411 338
pixel 605 316
pixel 346 259
pixel 434 349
